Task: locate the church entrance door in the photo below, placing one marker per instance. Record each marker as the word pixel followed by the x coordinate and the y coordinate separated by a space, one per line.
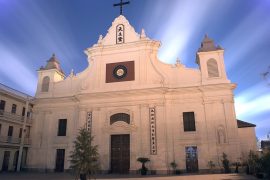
pixel 191 159
pixel 60 160
pixel 6 161
pixel 120 153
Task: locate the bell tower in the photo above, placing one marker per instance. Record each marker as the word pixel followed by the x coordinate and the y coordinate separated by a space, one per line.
pixel 210 59
pixel 47 76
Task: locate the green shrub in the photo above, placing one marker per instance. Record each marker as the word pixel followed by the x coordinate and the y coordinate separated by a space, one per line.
pixel 266 164
pixel 226 163
pixel 84 157
pixel 211 165
pixel 254 163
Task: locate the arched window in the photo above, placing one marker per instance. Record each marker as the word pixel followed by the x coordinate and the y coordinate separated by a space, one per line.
pixel 120 117
pixel 212 68
pixel 45 84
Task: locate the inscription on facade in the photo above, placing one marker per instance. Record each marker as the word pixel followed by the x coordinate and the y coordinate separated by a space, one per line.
pixel 89 121
pixel 120 34
pixel 153 138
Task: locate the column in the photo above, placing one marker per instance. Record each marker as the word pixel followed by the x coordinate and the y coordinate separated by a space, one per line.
pixel 23 135
pixel 82 117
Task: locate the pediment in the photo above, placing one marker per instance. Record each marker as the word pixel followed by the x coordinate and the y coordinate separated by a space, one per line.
pixel 120 29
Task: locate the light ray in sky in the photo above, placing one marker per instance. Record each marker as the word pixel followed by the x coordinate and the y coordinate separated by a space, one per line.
pixel 249 39
pixel 181 25
pixel 34 27
pixel 253 105
pixel 13 68
pixel 50 34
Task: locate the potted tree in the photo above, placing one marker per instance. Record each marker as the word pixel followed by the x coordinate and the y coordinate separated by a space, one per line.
pixel 211 166
pixel 173 165
pixel 143 160
pixel 84 158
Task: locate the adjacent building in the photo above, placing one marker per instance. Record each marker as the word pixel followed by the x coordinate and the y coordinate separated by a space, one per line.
pixel 15 122
pixel 247 138
pixel 265 146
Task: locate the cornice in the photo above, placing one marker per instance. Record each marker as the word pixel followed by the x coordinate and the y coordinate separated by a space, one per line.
pixel 150 93
pixel 211 52
pixel 132 46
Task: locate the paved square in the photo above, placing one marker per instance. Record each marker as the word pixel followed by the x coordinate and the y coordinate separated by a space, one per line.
pixel 66 176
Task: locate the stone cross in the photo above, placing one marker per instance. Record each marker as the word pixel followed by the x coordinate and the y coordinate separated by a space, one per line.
pixel 121 4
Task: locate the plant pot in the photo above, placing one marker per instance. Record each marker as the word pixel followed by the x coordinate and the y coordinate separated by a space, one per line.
pixel 143 172
pixel 82 176
pixel 260 175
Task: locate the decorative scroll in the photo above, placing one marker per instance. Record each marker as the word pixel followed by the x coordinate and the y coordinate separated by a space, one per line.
pixel 89 121
pixel 153 138
pixel 120 34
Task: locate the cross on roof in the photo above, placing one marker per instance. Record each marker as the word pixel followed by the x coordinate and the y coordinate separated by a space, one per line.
pixel 121 4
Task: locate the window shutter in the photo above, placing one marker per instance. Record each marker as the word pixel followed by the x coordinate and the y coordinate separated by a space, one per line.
pixel 23 111
pixel 189 121
pixel 212 68
pixel 14 108
pixel 62 126
pixel 2 105
pixel 10 131
pixel 45 84
pixel 20 134
pixel 185 117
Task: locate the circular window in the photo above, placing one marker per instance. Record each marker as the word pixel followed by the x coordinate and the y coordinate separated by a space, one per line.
pixel 120 72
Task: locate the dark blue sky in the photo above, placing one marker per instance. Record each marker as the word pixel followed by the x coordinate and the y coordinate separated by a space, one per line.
pixel 31 30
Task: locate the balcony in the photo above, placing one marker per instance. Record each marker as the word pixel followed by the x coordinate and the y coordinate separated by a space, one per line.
pixel 14 117
pixel 15 141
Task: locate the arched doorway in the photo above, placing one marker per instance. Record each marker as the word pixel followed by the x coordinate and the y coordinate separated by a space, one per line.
pixel 120 146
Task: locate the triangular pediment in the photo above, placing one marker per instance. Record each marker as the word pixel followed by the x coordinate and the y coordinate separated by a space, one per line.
pixel 120 32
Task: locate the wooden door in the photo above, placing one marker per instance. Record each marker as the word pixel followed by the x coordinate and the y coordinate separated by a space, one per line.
pixel 60 160
pixel 191 159
pixel 15 160
pixel 120 153
pixel 6 161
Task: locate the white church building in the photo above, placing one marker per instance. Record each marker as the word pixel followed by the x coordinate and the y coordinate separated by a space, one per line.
pixel 137 106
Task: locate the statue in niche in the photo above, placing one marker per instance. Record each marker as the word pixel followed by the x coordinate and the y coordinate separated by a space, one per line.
pixel 221 135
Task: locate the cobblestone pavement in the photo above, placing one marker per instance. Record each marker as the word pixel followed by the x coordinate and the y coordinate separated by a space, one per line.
pixel 66 176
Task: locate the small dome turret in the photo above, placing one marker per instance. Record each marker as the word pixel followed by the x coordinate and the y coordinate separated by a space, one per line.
pixel 53 63
pixel 208 45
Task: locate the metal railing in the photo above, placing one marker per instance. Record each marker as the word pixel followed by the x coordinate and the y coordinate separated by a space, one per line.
pixel 15 117
pixel 12 140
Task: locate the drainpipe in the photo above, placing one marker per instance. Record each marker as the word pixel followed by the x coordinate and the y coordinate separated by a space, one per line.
pixel 23 135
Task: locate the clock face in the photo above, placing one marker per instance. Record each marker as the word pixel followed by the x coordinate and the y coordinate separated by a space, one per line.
pixel 120 72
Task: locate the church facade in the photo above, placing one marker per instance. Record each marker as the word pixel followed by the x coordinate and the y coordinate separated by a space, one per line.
pixel 136 106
